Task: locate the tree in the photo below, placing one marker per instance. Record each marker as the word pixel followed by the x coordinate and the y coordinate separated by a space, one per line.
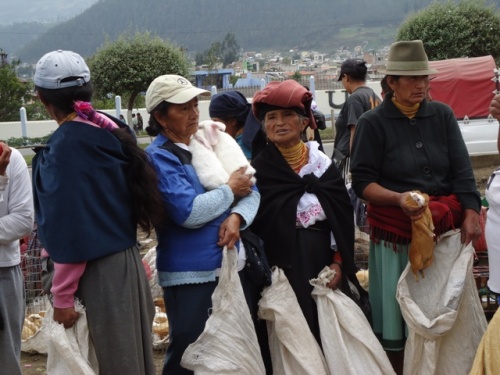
pixel 451 30
pixel 225 52
pixel 13 92
pixel 229 49
pixel 296 76
pixel 127 66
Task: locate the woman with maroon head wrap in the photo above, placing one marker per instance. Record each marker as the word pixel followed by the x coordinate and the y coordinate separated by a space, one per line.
pixel 305 217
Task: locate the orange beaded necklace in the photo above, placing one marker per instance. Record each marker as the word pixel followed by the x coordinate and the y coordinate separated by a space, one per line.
pixel 296 156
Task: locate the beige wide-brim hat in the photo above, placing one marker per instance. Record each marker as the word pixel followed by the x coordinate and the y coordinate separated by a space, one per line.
pixel 407 58
pixel 173 89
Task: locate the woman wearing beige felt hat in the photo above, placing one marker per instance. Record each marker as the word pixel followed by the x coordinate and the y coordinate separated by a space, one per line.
pixel 409 143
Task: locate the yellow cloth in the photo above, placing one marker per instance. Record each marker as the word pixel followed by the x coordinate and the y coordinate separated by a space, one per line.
pixel 410 112
pixel 487 360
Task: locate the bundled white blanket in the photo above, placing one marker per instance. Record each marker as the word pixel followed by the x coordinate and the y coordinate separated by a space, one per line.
pixel 216 155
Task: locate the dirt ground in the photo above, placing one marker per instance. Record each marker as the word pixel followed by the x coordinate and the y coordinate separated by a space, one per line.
pixel 35 364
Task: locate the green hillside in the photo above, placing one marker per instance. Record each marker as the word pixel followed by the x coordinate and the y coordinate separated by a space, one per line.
pixel 322 25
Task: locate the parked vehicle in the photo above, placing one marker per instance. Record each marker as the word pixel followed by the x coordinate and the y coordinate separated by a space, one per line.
pixel 480 136
pixel 467 85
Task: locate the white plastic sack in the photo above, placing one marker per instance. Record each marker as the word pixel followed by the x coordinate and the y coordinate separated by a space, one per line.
pixel 349 344
pixel 293 348
pixel 37 343
pixel 444 315
pixel 228 345
pixel 69 351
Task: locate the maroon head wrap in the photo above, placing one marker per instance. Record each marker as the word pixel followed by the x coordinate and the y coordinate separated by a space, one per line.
pixel 286 94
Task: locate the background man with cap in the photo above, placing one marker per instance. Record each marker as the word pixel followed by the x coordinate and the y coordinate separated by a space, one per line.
pixel 361 99
pixel 89 185
pixel 200 222
pixel 16 221
pixel 408 143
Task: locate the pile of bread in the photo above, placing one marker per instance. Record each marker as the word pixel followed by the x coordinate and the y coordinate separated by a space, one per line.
pixel 32 323
pixel 362 276
pixel 160 325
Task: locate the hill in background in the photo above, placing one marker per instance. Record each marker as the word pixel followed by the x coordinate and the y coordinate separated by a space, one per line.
pixel 259 25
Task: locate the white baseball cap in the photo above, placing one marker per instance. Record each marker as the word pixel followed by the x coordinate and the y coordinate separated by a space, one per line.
pixel 171 88
pixel 56 66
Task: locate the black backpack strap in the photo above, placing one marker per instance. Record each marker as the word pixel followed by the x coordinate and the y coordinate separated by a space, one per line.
pixel 184 156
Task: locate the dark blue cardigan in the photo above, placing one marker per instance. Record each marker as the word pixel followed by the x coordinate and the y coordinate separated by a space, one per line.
pixel 81 194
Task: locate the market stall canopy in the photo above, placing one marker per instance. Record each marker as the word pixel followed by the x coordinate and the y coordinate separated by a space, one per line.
pixel 465 84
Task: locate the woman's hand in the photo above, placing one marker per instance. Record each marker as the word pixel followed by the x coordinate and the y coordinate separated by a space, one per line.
pixel 67 316
pixel 229 231
pixel 414 213
pixel 471 227
pixel 240 183
pixel 337 279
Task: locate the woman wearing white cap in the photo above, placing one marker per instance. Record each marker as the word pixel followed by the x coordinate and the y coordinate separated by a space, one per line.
pixel 89 185
pixel 408 143
pixel 200 222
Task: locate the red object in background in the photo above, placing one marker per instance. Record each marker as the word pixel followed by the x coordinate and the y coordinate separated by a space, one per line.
pixel 147 268
pixel 464 84
pixel 481 245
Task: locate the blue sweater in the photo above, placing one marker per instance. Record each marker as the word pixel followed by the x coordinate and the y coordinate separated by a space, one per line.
pixel 187 250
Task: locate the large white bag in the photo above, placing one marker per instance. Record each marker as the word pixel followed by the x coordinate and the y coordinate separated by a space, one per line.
pixel 349 344
pixel 293 348
pixel 69 351
pixel 38 342
pixel 444 315
pixel 228 345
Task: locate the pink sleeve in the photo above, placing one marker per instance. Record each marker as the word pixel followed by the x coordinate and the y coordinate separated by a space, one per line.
pixel 65 283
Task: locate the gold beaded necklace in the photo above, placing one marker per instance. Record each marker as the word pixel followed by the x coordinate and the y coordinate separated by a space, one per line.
pixel 296 156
